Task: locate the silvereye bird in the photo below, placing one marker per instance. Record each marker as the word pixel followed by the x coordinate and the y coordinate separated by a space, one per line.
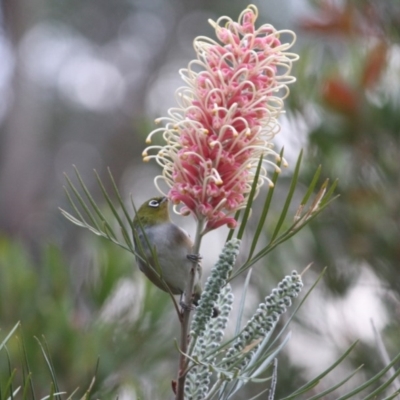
pixel 172 245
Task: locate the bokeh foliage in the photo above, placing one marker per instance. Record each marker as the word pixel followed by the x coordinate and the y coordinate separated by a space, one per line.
pixel 65 285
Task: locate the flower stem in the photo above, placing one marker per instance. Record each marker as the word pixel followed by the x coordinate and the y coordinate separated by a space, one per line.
pixel 186 315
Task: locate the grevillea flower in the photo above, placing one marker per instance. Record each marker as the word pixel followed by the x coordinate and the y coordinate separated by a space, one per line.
pixel 226 118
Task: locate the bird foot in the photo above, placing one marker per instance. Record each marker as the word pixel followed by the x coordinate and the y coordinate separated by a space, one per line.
pixel 193 307
pixel 196 258
pixel 186 307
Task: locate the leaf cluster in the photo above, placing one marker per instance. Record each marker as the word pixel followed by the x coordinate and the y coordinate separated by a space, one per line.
pixel 26 389
pixel 316 199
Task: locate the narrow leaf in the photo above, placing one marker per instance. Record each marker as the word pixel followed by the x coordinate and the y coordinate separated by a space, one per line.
pixel 291 231
pixel 8 387
pixel 384 386
pixel 81 221
pixel 274 380
pixel 27 386
pixel 392 396
pixel 89 196
pixel 242 302
pixel 265 209
pixel 313 382
pixel 289 197
pixel 268 360
pixel 49 365
pixel 80 199
pixel 125 211
pixel 3 343
pixel 329 193
pixel 111 205
pixel 374 379
pixel 25 354
pixel 249 204
pixel 257 396
pixel 338 385
pixel 311 188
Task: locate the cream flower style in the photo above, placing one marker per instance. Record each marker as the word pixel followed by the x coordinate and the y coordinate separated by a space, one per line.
pixel 226 118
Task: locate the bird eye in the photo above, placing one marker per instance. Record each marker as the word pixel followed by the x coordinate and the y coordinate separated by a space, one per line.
pixel 154 203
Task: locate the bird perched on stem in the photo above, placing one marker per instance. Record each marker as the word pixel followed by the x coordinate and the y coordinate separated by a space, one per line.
pixel 165 249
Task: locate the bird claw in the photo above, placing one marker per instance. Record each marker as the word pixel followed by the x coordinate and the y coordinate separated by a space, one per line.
pixel 194 257
pixel 186 307
pixel 193 307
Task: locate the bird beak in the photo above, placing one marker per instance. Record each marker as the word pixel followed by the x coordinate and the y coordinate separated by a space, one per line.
pixel 164 199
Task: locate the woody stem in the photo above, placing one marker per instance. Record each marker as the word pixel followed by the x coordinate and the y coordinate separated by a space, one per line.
pixel 185 320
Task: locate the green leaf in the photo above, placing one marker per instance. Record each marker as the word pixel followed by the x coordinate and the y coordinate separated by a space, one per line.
pixel 3 343
pixel 302 218
pixel 81 201
pixel 98 223
pixel 334 387
pixel 374 379
pixel 27 386
pixel 291 231
pixel 264 213
pixel 263 363
pixel 249 204
pixel 311 188
pixel 121 203
pixel 11 373
pixel 26 367
pixel 312 383
pixel 393 396
pixel 260 361
pixel 50 366
pixel 113 209
pixel 329 193
pixel 384 386
pixel 289 197
pixel 242 302
pixel 257 396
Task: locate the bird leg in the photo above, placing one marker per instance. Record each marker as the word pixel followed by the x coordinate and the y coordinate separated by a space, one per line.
pixel 184 306
pixel 194 305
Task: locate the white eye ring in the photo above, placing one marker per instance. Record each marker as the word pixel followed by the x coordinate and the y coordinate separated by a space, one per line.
pixel 154 203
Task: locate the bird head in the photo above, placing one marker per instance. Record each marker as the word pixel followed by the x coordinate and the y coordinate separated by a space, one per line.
pixel 152 212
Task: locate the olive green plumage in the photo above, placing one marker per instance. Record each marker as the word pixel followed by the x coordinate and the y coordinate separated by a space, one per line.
pixel 172 245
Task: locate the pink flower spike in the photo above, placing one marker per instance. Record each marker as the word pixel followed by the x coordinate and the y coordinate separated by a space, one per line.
pixel 225 119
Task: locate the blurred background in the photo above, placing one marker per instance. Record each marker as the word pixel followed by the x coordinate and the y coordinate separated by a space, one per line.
pixel 81 83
